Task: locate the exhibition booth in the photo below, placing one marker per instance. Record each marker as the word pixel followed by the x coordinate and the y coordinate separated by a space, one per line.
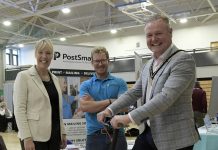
pixel 73 63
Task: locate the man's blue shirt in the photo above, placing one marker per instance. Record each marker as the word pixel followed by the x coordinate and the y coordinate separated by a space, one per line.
pixel 101 89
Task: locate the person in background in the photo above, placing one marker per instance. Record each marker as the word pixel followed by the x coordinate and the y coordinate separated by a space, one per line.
pixel 37 101
pixel 199 104
pixel 67 99
pixel 95 95
pixel 165 85
pixel 4 111
pixel 5 115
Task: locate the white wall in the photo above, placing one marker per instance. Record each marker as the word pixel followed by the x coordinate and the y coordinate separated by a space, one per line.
pixel 184 38
pixel 27 54
pixel 122 46
pixel 196 37
pixel 209 71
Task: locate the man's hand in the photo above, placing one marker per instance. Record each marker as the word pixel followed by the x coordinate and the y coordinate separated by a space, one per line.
pixel 88 104
pixel 87 97
pixel 119 121
pixel 102 115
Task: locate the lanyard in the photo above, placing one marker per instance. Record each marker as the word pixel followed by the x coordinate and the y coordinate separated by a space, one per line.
pixel 152 74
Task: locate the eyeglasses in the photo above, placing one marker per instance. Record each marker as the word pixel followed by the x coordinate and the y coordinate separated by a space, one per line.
pixel 102 61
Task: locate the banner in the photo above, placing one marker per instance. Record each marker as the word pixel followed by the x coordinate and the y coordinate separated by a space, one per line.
pixel 76 131
pixel 72 65
pixel 77 73
pixel 73 117
pixel 72 57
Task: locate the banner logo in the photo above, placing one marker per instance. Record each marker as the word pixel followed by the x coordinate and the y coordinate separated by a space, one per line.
pixel 66 57
pixel 56 55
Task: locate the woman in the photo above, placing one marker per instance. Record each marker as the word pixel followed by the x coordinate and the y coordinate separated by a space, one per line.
pixel 38 103
pixel 67 99
pixel 4 111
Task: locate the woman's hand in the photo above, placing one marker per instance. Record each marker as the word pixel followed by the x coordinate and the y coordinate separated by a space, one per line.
pixel 63 143
pixel 28 144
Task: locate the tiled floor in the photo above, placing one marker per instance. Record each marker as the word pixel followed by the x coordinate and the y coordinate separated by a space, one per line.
pixel 11 140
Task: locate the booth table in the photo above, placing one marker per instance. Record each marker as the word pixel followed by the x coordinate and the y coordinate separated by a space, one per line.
pixel 209 138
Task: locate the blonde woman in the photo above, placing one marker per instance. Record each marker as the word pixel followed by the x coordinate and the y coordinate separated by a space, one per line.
pixel 38 104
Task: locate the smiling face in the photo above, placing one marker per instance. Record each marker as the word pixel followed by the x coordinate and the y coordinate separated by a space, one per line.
pixel 43 54
pixel 158 36
pixel 100 63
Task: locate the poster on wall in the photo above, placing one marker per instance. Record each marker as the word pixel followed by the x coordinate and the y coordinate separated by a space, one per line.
pixel 76 131
pixel 72 65
pixel 73 117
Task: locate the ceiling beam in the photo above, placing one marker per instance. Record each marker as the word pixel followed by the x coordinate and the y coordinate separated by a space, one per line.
pixel 125 12
pixel 48 9
pixel 162 11
pixel 62 23
pixel 209 16
pixel 47 18
pixel 201 15
pixel 211 5
pixel 131 15
pixel 21 35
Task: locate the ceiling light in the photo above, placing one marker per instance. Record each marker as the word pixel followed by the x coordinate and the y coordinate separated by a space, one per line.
pixel 62 39
pixel 183 20
pixel 7 23
pixel 65 10
pixel 113 31
pixel 20 45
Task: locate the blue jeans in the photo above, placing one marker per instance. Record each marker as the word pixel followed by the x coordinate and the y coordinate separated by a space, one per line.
pixel 103 142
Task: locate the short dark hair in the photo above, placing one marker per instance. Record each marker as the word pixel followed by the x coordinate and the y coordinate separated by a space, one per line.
pixel 197 84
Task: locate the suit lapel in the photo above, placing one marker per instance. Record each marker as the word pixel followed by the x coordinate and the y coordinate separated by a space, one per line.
pixel 159 73
pixel 37 80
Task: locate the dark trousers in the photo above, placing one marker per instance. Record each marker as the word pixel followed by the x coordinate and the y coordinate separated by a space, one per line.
pixel 52 144
pixel 145 141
